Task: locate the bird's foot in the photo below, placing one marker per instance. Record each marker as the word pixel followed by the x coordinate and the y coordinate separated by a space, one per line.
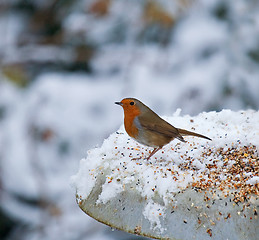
pixel 136 158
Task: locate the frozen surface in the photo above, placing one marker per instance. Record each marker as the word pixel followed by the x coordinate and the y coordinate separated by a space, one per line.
pixel 208 62
pixel 224 168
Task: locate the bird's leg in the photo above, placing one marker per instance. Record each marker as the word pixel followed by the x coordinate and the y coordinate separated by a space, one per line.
pixel 153 152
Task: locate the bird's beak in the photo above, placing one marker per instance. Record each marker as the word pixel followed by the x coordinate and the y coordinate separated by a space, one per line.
pixel 119 103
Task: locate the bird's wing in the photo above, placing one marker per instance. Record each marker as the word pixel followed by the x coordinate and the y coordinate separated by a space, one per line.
pixel 160 126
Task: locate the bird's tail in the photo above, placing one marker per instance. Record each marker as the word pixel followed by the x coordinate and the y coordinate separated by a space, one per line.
pixel 188 133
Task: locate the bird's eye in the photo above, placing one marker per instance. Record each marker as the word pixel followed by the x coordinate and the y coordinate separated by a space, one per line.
pixel 132 103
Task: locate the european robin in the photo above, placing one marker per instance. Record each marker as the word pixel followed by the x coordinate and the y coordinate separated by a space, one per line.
pixel 147 128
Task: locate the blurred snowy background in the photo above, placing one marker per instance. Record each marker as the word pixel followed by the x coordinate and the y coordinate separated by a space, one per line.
pixel 63 64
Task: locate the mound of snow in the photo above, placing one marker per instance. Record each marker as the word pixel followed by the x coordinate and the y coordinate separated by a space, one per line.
pixel 195 189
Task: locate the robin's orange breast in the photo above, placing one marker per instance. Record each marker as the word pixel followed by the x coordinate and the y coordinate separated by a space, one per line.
pixel 130 127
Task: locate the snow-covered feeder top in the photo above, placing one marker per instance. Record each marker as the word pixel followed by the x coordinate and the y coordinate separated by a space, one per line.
pixel 195 190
